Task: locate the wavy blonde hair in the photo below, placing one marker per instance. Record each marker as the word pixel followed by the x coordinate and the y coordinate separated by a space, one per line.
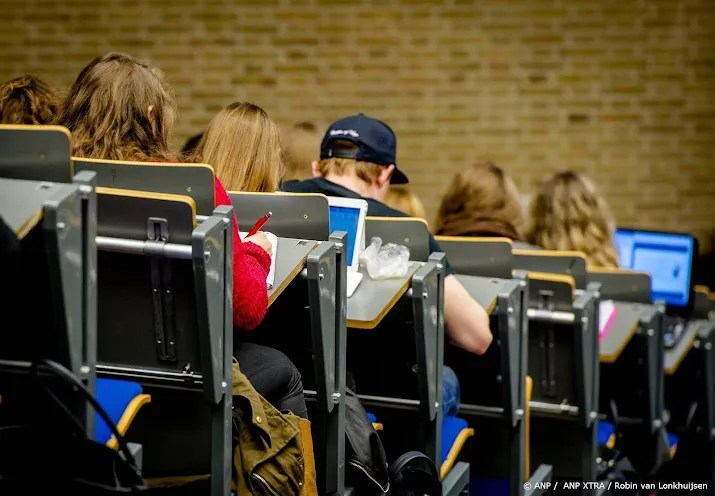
pixel 119 108
pixel 405 200
pixel 28 100
pixel 482 200
pixel 568 213
pixel 244 147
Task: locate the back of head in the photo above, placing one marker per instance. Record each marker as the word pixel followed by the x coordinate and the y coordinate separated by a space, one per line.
pixel 568 213
pixel 244 147
pixel 301 147
pixel 481 200
pixel 119 108
pixel 403 199
pixel 27 100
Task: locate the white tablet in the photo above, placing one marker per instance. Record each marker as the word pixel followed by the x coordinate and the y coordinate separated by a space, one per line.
pixel 348 214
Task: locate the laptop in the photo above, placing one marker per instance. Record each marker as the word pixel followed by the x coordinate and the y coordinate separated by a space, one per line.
pixel 348 214
pixel 669 258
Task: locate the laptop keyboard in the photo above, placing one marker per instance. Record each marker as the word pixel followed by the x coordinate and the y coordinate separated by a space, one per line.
pixel 674 331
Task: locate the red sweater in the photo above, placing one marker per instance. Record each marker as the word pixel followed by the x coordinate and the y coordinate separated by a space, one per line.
pixel 251 264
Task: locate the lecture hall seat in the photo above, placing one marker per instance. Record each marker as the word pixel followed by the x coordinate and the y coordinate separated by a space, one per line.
pixel 122 400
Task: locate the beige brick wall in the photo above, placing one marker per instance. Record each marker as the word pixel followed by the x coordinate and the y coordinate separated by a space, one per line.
pixel 620 89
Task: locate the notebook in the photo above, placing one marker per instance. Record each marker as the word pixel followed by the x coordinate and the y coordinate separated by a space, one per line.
pixel 273 239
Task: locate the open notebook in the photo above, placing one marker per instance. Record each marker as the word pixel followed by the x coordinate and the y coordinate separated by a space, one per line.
pixel 274 250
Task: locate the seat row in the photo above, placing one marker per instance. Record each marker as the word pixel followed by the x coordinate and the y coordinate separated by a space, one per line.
pixel 150 256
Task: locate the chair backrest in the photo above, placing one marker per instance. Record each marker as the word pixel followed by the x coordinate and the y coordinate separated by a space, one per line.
pixel 621 284
pixel 165 321
pixel 408 231
pixel 295 215
pixel 142 298
pixel 193 180
pixel 486 257
pixel 551 291
pixel 552 344
pixel 571 263
pixel 35 153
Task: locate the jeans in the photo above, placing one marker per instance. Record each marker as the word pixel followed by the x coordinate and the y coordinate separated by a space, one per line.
pixel 450 392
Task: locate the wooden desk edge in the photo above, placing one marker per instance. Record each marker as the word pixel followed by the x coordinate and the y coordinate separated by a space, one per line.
pixel 371 324
pixel 30 224
pixel 492 305
pixel 603 358
pixel 286 282
pixel 676 365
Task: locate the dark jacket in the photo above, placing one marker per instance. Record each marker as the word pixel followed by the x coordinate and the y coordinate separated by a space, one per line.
pixel 267 444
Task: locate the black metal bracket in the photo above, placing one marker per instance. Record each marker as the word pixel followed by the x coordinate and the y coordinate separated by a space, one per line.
pixel 162 296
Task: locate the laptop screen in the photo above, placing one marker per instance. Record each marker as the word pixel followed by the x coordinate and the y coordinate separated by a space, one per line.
pixel 346 219
pixel 667 257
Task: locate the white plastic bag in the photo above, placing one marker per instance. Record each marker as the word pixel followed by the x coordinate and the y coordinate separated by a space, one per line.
pixel 385 261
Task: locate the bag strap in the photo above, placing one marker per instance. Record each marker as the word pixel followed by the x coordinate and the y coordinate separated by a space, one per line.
pixel 409 457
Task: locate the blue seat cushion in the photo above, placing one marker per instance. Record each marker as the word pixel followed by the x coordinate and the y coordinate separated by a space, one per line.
pixel 114 396
pixel 451 427
pixel 605 431
pixel 672 440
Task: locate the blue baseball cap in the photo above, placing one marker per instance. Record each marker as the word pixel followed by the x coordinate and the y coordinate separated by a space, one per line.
pixel 376 142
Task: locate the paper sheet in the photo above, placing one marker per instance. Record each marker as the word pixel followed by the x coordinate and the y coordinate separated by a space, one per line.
pixel 273 239
pixel 606 315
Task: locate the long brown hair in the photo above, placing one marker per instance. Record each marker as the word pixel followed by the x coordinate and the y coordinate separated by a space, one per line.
pixel 244 147
pixel 119 108
pixel 481 200
pixel 568 213
pixel 27 100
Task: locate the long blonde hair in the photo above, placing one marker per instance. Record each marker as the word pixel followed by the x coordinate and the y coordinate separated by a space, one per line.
pixel 28 100
pixel 403 199
pixel 568 213
pixel 244 147
pixel 119 108
pixel 482 200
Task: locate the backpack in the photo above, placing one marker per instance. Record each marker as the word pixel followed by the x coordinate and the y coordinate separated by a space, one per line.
pixel 414 474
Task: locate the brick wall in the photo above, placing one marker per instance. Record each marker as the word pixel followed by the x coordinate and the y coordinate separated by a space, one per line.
pixel 620 89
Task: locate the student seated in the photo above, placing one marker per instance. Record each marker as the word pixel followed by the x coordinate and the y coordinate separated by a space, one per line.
pixel 301 146
pixel 120 108
pixel 403 199
pixel 27 100
pixel 482 201
pixel 357 160
pixel 244 147
pixel 568 213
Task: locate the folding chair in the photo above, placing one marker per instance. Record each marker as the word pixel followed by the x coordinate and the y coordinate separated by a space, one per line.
pixel 165 322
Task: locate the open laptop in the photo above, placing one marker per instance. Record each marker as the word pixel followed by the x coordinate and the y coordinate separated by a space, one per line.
pixel 669 258
pixel 348 214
